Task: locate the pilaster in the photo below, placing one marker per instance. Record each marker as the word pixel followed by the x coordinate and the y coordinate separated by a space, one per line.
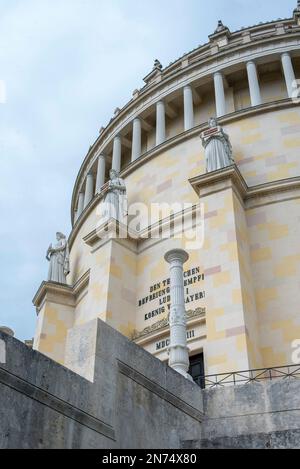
pixel 232 332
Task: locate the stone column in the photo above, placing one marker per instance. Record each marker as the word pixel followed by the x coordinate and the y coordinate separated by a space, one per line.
pixel 160 122
pixel 220 94
pixel 253 84
pixel 80 204
pixel 289 73
pixel 89 190
pixel 188 107
pixel 117 153
pixel 136 139
pixel 179 353
pixel 100 173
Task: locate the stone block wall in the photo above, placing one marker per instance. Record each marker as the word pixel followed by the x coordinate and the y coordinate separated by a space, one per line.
pixel 135 401
pixel 264 415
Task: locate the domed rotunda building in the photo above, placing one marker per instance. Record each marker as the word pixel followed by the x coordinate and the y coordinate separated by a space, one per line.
pixel 241 224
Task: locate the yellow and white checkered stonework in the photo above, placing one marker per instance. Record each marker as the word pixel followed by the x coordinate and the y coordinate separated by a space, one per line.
pixel 250 257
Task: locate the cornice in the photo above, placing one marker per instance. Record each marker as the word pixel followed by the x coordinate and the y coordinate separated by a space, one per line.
pixel 266 190
pixel 217 181
pixel 112 230
pixel 167 145
pixel 195 131
pixel 56 289
pixel 204 185
pixel 161 327
pixel 230 177
pixel 233 35
pixel 69 293
pixel 122 234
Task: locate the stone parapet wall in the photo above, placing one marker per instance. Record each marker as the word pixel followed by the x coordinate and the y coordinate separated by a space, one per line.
pixel 134 401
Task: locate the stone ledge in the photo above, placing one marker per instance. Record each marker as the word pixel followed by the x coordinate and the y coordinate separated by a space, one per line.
pixel 231 177
pixel 162 393
pixel 162 326
pixel 176 140
pixel 286 439
pixel 58 405
pixel 67 294
pixel 133 239
pixel 131 403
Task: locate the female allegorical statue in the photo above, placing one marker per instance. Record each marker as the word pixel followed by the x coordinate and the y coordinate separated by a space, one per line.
pixel 218 149
pixel 115 202
pixel 58 256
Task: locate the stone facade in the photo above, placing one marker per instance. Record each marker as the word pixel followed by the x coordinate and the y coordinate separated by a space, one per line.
pixel 244 277
pixel 134 402
pixel 263 415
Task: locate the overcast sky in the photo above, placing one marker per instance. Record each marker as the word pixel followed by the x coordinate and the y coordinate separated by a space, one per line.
pixel 67 64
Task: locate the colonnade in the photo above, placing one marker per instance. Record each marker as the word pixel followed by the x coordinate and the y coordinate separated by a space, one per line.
pixel 90 187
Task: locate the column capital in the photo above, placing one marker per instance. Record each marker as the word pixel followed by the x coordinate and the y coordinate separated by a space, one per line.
pixel 286 54
pixel 251 62
pixel 218 74
pixel 101 156
pixel 176 255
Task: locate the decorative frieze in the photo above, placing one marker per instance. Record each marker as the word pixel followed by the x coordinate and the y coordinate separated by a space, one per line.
pixel 163 323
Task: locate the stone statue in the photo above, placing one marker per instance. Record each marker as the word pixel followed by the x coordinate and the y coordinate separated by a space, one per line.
pixel 218 149
pixel 58 256
pixel 115 202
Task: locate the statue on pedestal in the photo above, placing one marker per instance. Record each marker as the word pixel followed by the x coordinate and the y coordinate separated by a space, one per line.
pixel 115 201
pixel 218 149
pixel 58 256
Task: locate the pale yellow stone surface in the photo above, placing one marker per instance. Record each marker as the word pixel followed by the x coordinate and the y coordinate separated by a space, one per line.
pixel 252 296
pixel 251 139
pixel 259 255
